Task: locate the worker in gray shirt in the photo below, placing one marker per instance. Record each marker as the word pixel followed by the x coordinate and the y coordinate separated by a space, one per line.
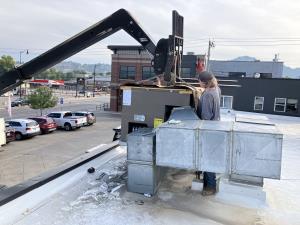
pixel 209 109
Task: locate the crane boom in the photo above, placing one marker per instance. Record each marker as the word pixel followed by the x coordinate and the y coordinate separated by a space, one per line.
pixel 167 55
pixel 121 19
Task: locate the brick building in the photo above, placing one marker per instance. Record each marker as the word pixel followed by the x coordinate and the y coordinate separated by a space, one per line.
pixel 263 94
pixel 128 63
pixel 133 63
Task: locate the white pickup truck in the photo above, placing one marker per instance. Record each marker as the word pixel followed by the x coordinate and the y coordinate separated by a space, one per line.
pixel 64 119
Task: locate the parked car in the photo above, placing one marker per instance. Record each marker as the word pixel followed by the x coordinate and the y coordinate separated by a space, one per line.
pixel 9 133
pixel 90 117
pixel 65 119
pixel 86 93
pixel 117 134
pixel 47 124
pixel 19 102
pixel 24 128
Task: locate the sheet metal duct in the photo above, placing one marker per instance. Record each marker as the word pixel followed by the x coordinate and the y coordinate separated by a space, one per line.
pixel 215 146
pixel 220 147
pixel 143 175
pixel 257 150
pixel 177 144
pixel 143 178
pixel 141 145
pixel 183 113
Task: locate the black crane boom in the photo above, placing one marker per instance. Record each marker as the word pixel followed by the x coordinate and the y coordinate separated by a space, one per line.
pixel 167 55
pixel 121 19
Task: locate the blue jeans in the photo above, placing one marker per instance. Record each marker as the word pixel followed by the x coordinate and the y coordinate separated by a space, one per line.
pixel 209 180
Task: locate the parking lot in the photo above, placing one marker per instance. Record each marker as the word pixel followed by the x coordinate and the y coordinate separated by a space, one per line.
pixel 20 160
pixel 70 103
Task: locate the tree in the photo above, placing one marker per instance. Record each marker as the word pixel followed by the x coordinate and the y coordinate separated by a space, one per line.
pixel 6 63
pixel 79 72
pixel 69 76
pixel 54 74
pixel 42 98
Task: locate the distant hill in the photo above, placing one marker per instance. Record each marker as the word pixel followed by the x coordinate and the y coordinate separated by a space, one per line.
pixel 244 58
pixel 287 71
pixel 69 66
pixel 290 72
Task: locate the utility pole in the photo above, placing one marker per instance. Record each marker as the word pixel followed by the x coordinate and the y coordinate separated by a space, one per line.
pixel 94 86
pixel 76 87
pixel 211 44
pixel 21 52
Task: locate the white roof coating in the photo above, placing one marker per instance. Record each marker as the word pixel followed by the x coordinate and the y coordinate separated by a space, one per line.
pixel 101 198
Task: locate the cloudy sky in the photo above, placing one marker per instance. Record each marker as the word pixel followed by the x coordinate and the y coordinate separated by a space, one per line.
pixel 257 28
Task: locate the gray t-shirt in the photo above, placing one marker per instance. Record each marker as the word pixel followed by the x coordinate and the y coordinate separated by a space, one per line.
pixel 209 104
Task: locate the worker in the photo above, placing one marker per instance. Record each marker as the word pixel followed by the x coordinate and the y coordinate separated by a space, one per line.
pixel 200 65
pixel 209 109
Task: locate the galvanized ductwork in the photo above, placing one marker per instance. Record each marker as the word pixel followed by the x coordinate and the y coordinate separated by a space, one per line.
pixel 219 146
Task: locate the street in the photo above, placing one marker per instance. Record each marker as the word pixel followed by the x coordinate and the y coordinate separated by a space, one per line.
pixel 21 160
pixel 70 103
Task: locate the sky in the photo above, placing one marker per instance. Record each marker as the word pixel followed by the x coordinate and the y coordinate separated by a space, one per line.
pixel 256 28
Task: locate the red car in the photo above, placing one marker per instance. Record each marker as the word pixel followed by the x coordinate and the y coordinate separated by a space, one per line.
pixel 47 124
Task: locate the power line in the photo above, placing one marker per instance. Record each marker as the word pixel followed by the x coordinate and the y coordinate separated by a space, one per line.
pixel 32 52
pixel 257 45
pixel 243 38
pixel 267 40
pixel 188 44
pixel 43 49
pixel 246 44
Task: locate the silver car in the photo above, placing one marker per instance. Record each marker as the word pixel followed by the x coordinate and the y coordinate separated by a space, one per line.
pixel 24 128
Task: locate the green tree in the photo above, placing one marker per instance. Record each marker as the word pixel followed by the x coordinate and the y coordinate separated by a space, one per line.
pixel 69 76
pixel 6 63
pixel 79 72
pixel 42 98
pixel 54 74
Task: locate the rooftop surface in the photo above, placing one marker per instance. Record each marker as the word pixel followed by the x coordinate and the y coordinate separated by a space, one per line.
pixel 101 198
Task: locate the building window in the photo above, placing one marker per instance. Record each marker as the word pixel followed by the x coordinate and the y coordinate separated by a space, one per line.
pixel 258 103
pixel 226 102
pixel 127 72
pixel 280 105
pixel 265 75
pixel 291 105
pixel 286 105
pixel 147 72
pixel 185 72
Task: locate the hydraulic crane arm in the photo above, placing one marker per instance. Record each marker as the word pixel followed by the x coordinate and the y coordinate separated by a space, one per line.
pixel 121 19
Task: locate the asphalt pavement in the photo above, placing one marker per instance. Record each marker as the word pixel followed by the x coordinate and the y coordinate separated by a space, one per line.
pixel 21 160
pixel 70 103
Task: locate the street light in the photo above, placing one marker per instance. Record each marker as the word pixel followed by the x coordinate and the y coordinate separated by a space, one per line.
pixel 211 44
pixel 94 86
pixel 21 52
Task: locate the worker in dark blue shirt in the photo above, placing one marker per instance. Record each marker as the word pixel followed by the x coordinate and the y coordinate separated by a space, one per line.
pixel 209 109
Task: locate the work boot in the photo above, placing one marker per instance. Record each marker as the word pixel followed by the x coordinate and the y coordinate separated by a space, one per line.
pixel 208 191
